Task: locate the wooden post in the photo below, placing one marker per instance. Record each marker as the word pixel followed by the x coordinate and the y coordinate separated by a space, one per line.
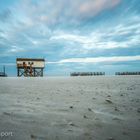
pixel 42 72
pixel 18 72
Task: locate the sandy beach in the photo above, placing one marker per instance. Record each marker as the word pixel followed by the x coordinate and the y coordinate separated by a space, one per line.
pixel 70 108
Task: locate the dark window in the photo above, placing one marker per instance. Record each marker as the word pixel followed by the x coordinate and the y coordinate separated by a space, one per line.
pixel 30 63
pixel 23 63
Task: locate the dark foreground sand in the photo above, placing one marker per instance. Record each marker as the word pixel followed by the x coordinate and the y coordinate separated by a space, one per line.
pixel 70 108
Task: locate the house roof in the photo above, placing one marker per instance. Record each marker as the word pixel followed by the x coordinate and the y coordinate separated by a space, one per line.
pixel 30 59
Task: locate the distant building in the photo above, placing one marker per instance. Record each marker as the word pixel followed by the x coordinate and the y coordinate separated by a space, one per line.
pixel 29 67
pixel 3 74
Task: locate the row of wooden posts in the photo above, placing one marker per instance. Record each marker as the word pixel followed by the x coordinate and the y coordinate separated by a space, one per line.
pixel 127 73
pixel 101 73
pixel 87 73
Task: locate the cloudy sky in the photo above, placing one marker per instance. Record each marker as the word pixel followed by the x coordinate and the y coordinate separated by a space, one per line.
pixel 72 35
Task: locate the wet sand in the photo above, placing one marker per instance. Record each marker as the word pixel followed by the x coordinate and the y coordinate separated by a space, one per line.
pixel 70 108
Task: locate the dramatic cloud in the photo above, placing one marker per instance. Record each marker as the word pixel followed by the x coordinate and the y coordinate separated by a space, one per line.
pixel 52 12
pixel 125 35
pixel 93 7
pixel 100 59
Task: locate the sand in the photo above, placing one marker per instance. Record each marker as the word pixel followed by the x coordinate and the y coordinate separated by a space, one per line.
pixel 70 108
